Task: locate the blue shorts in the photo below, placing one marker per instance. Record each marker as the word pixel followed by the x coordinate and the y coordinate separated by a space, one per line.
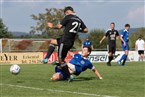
pixel 125 47
pixel 64 75
pixel 78 70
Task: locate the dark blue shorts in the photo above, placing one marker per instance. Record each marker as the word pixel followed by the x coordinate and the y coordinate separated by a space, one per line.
pixel 125 47
pixel 64 75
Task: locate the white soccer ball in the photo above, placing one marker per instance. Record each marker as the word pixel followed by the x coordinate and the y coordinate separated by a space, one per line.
pixel 15 69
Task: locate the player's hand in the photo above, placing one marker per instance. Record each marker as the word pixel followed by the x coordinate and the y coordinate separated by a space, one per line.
pixel 124 44
pixel 50 25
pixel 100 42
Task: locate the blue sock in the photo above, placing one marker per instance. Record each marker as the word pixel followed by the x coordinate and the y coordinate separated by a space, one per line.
pixel 123 63
pixel 123 57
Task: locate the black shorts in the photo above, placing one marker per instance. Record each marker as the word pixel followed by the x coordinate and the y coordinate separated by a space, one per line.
pixel 141 52
pixel 112 49
pixel 63 48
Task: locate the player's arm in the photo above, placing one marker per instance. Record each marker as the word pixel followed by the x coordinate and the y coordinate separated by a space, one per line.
pixel 50 25
pixel 71 53
pixel 102 39
pixel 107 33
pixel 82 46
pixel 117 35
pixel 92 47
pixel 97 73
pixel 136 45
pixel 59 26
pixel 121 38
pixel 144 45
pixel 83 28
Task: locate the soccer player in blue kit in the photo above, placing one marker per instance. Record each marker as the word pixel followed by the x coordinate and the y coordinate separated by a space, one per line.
pixel 88 43
pixel 125 45
pixel 76 65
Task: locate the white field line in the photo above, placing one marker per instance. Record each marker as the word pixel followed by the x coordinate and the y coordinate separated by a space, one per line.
pixel 57 91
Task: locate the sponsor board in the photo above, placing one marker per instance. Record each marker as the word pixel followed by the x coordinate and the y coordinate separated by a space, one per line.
pixel 21 58
pixel 37 57
pixel 102 56
pixel 29 58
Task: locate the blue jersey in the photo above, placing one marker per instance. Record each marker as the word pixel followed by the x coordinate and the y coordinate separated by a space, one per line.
pixel 125 35
pixel 87 43
pixel 81 64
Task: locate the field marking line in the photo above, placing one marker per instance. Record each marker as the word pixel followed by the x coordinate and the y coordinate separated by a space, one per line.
pixel 59 91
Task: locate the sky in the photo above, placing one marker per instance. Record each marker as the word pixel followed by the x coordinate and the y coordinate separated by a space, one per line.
pixel 16 14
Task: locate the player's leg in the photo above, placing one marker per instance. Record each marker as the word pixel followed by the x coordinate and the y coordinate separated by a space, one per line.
pixel 142 55
pixel 139 53
pixel 62 53
pixel 51 49
pixel 59 74
pixel 126 49
pixel 113 52
pixel 110 56
pixel 124 56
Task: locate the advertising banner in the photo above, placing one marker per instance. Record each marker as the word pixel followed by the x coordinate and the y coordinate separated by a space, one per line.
pixel 37 57
pixel 102 56
pixel 21 58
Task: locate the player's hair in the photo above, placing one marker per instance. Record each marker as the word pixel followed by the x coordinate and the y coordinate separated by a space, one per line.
pixel 140 36
pixel 89 48
pixel 68 8
pixel 112 23
pixel 127 25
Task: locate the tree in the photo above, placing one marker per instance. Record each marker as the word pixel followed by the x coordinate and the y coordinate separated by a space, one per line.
pixel 95 36
pixel 134 36
pixel 4 33
pixel 51 15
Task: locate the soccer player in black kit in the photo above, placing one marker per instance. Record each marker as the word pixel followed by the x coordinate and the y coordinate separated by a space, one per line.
pixel 72 24
pixel 112 34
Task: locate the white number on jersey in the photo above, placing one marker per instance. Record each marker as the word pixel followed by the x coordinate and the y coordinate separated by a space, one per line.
pixel 76 25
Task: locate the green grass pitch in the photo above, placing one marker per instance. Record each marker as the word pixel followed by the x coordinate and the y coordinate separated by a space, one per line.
pixel 34 81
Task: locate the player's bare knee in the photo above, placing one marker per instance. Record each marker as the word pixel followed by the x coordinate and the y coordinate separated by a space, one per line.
pixel 56 77
pixel 53 41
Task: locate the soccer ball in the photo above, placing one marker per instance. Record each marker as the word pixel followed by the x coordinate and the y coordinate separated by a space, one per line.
pixel 15 69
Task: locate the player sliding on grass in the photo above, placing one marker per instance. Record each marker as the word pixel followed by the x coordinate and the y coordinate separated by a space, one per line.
pixel 72 24
pixel 76 65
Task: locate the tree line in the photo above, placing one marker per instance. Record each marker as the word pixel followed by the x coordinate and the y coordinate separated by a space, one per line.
pixel 40 30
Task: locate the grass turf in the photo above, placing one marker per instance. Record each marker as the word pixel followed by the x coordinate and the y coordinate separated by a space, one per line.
pixel 34 81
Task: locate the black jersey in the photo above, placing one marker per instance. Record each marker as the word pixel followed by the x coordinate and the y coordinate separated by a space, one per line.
pixel 112 34
pixel 72 25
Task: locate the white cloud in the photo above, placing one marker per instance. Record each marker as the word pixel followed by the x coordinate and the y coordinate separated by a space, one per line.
pixel 137 13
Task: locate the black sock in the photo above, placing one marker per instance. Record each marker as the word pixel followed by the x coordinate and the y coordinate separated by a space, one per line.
pixel 50 51
pixel 110 58
pixel 123 63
